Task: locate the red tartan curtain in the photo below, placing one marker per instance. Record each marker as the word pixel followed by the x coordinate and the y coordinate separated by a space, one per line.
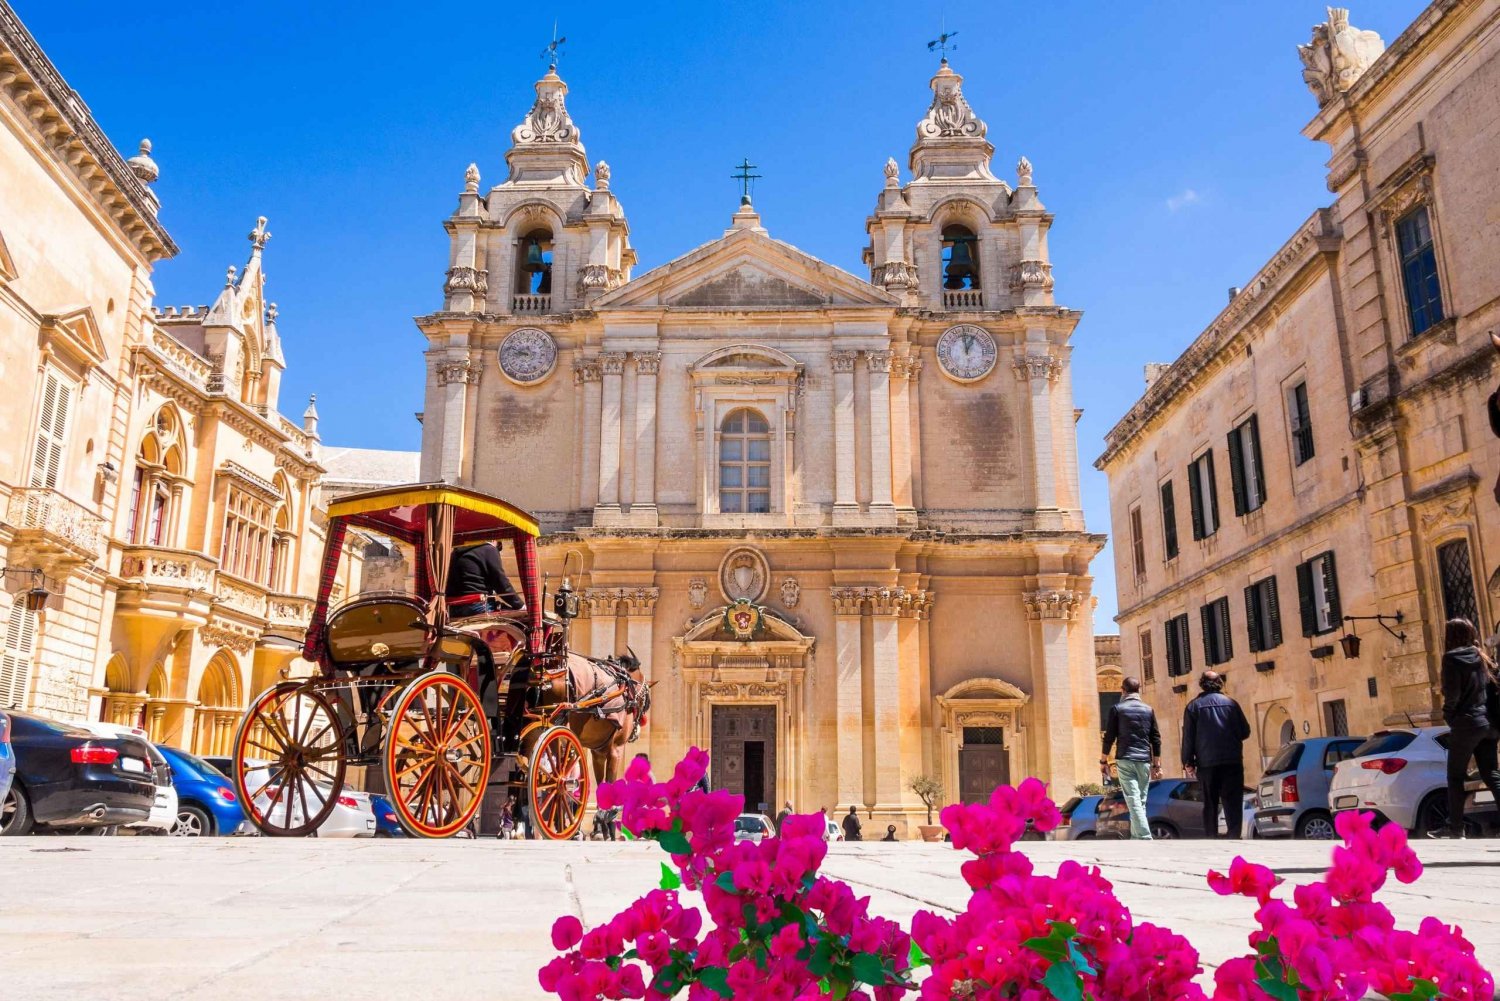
pixel 313 647
pixel 531 588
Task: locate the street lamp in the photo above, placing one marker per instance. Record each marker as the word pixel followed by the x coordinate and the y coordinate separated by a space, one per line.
pixel 1350 642
pixel 37 595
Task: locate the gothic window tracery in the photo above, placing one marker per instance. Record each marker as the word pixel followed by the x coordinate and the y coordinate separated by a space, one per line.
pixel 156 487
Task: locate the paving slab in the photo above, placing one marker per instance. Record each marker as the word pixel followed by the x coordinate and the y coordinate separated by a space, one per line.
pixel 244 919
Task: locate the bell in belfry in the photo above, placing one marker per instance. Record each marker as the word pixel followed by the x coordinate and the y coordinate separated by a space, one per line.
pixel 534 262
pixel 960 265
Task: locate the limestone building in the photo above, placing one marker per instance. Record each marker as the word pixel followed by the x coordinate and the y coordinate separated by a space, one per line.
pixel 885 464
pixel 159 513
pixel 1321 451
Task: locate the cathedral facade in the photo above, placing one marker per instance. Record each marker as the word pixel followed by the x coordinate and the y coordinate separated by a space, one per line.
pixel 836 515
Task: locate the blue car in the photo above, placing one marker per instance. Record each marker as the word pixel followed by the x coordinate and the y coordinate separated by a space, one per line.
pixel 386 824
pixel 207 804
pixel 7 758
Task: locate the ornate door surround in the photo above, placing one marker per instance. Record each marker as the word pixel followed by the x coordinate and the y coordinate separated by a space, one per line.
pixel 980 702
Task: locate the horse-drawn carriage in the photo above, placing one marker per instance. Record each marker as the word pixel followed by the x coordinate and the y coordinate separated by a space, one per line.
pixel 434 705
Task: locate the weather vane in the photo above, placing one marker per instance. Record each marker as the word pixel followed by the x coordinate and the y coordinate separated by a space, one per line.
pixel 553 52
pixel 943 43
pixel 745 178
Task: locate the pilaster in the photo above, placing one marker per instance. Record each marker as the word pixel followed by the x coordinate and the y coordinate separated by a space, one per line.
pixel 1039 371
pixel 845 509
pixel 643 505
pixel 1052 613
pixel 848 604
pixel 882 507
pixel 612 367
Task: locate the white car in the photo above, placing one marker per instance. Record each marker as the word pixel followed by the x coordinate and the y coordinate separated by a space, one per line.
pixel 753 827
pixel 353 815
pixel 1400 775
pixel 831 830
pixel 164 809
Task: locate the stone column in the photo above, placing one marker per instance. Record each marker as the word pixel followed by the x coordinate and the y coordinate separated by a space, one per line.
pixel 848 605
pixel 586 378
pixel 1051 612
pixel 612 366
pixel 603 603
pixel 1039 372
pixel 844 507
pixel 885 605
pixel 643 505
pixel 454 375
pixel 881 504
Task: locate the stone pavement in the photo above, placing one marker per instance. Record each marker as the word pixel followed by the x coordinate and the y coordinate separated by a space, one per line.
pixel 255 918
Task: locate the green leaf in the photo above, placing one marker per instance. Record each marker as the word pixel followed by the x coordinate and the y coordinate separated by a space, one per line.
pixel 1064 983
pixel 1064 929
pixel 916 957
pixel 669 878
pixel 868 969
pixel 821 963
pixel 675 842
pixel 1047 948
pixel 725 882
pixel 1421 990
pixel 1079 959
pixel 716 979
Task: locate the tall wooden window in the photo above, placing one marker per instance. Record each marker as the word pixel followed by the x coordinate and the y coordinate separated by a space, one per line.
pixel 1218 646
pixel 1419 277
pixel 1246 473
pixel 52 431
pixel 1318 595
pixel 247 531
pixel 1263 615
pixel 1137 543
pixel 745 463
pixel 1204 494
pixel 1168 521
pixel 1300 418
pixel 1148 667
pixel 1179 647
pixel 1457 576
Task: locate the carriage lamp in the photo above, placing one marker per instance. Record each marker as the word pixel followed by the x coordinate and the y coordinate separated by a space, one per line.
pixel 1350 641
pixel 565 603
pixel 37 595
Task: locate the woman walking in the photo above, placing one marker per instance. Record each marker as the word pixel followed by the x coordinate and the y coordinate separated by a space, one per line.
pixel 1468 684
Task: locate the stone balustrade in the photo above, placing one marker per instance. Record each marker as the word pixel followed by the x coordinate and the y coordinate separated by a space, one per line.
pixel 50 522
pixel 157 566
pixel 531 304
pixel 964 298
pixel 241 596
pixel 289 610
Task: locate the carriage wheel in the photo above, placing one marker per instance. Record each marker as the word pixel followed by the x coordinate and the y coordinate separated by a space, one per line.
pixel 558 780
pixel 289 760
pixel 437 755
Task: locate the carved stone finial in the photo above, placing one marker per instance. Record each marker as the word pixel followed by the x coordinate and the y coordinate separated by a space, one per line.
pixel 547 121
pixel 229 274
pixel 310 415
pixel 892 173
pixel 259 235
pixel 601 176
pixel 949 116
pixel 1337 55
pixel 471 177
pixel 142 166
pixel 271 310
pixel 1023 171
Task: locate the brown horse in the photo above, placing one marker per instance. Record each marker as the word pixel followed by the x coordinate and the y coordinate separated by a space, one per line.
pixel 610 700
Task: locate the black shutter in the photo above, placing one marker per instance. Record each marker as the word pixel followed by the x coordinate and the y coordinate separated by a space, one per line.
pixel 1252 617
pixel 1237 471
pixel 1169 520
pixel 1213 490
pixel 1195 499
pixel 1187 644
pixel 1170 635
pixel 1273 613
pixel 1255 463
pixel 1331 588
pixel 1205 615
pixel 1225 642
pixel 1305 599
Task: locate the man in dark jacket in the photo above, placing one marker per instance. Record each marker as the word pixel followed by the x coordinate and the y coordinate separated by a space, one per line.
pixel 1131 729
pixel 1214 730
pixel 477 583
pixel 852 831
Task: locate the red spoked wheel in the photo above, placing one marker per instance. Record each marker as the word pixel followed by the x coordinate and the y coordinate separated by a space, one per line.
pixel 437 755
pixel 289 760
pixel 557 778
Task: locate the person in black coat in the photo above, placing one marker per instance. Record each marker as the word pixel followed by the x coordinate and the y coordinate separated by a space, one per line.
pixel 1214 730
pixel 852 831
pixel 1467 678
pixel 477 582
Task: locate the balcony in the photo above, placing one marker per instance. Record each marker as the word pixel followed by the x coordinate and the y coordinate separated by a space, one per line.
pixel 289 611
pixel 531 304
pixel 239 595
pixel 52 528
pixel 154 566
pixel 964 298
pixel 164 590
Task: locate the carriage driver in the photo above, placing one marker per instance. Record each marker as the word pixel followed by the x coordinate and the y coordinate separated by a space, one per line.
pixel 477 583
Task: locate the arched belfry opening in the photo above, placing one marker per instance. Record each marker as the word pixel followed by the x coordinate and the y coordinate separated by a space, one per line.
pixel 534 263
pixel 960 259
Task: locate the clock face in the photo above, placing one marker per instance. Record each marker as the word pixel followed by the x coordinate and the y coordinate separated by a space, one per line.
pixel 966 352
pixel 528 355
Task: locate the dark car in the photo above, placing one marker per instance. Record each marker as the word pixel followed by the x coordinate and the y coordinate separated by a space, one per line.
pixel 1174 809
pixel 1293 797
pixel 207 804
pixel 1078 817
pixel 68 779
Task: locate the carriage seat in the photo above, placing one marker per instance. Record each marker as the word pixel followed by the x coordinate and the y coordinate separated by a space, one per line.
pixel 389 626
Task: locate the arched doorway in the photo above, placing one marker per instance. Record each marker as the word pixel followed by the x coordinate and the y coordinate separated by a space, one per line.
pixel 122 704
pixel 220 705
pixel 981 720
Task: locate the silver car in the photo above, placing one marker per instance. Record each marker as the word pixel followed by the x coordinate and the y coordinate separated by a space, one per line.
pixel 1292 799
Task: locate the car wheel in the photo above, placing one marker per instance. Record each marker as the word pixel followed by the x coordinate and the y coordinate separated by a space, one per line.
pixel 1432 815
pixel 1086 835
pixel 15 813
pixel 1162 831
pixel 1315 825
pixel 192 822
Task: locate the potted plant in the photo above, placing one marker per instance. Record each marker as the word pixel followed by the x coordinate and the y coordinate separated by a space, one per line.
pixel 928 789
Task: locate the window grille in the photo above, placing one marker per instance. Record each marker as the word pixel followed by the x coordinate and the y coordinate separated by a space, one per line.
pixel 1458 582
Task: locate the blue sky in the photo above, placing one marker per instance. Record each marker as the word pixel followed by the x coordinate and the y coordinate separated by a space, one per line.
pixel 1165 138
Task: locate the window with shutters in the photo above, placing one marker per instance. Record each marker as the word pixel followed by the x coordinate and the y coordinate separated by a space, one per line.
pixel 1318 595
pixel 1179 649
pixel 1137 543
pixel 1263 615
pixel 1217 645
pixel 1419 274
pixel 1300 419
pixel 247 531
pixel 1168 521
pixel 1246 472
pixel 15 660
pixel 1457 575
pixel 52 430
pixel 1148 668
pixel 1204 495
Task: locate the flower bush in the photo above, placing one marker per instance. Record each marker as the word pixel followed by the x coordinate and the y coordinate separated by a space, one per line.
pixel 778 930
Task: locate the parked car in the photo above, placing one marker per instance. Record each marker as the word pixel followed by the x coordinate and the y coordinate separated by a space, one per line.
pixel 353 815
pixel 831 830
pixel 386 824
pixel 68 779
pixel 164 810
pixel 1079 815
pixel 1400 775
pixel 753 827
pixel 7 758
pixel 1292 800
pixel 1174 809
pixel 207 805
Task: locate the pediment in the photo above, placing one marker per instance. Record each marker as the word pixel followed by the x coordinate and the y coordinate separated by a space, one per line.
pixel 77 333
pixel 746 271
